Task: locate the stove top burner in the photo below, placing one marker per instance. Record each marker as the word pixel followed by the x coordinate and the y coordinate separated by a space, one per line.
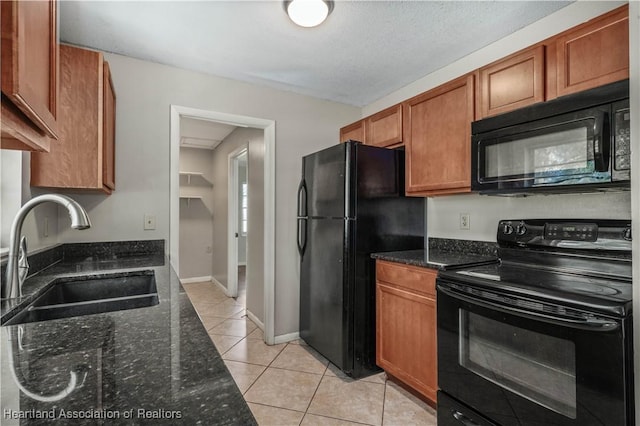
pixel 603 294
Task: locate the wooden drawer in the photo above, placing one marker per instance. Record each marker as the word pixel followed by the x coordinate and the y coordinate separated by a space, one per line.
pixel 414 278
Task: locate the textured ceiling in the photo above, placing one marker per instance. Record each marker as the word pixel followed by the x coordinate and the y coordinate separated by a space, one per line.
pixel 364 51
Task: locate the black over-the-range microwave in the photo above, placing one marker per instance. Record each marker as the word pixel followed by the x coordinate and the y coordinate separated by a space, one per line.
pixel 576 143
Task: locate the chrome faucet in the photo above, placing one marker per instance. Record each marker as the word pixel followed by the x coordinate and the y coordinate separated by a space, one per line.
pixel 12 285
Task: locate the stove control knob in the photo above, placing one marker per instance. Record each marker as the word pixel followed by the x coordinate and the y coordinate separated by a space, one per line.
pixel 521 229
pixel 627 234
pixel 507 229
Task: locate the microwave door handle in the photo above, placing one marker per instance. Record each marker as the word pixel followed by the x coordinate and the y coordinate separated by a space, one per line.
pixel 600 132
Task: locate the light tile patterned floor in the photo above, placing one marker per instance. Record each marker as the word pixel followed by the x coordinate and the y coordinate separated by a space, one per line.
pixel 292 384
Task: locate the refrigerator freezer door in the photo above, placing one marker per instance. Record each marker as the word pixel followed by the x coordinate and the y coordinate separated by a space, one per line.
pixel 323 309
pixel 324 175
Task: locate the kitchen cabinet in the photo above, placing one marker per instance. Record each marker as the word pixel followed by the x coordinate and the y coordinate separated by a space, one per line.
pixel 511 83
pixel 437 137
pixel 406 342
pixel 29 62
pixel 384 129
pixel 83 159
pixel 354 131
pixel 592 54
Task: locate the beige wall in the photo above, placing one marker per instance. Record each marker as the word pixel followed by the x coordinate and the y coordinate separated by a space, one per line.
pixel 145 92
pixel 255 237
pixel 443 212
pixel 196 226
pixel 253 139
pixel 14 192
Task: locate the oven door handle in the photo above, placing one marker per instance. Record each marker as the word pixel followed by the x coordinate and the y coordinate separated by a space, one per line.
pixel 592 324
pixel 466 421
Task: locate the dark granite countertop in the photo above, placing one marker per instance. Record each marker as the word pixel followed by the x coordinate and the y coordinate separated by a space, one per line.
pixel 444 253
pixel 152 365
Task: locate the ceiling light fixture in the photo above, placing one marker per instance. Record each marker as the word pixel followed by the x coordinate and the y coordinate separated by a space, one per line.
pixel 308 13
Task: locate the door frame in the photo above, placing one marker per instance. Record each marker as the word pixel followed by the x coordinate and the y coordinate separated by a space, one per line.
pixel 232 220
pixel 269 128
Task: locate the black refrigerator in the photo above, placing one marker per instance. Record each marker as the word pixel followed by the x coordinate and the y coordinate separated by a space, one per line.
pixel 350 204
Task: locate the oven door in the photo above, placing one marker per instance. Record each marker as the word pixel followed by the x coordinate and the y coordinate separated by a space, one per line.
pixel 521 367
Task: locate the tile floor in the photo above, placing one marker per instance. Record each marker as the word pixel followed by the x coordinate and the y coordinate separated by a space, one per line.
pixel 290 383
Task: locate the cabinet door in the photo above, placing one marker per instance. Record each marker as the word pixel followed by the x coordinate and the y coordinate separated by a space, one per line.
pixel 30 60
pixel 406 345
pixel 109 147
pixel 437 137
pixel 385 127
pixel 594 54
pixel 77 160
pixel 354 131
pixel 513 82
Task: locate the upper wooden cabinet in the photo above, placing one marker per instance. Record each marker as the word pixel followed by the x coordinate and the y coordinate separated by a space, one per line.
pixel 594 53
pixel 511 83
pixel 406 329
pixel 29 63
pixel 437 135
pixel 354 131
pixel 384 128
pixel 109 132
pixel 83 159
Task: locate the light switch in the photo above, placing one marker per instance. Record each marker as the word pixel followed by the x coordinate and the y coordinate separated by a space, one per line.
pixel 149 222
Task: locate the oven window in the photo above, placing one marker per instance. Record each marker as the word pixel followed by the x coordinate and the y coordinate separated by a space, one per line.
pixel 535 366
pixel 543 156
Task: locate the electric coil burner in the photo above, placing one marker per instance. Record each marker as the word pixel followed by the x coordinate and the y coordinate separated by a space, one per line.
pixel 542 337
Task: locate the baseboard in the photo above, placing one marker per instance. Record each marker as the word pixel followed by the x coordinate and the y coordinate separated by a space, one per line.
pixel 284 338
pixel 195 279
pixel 255 320
pixel 219 284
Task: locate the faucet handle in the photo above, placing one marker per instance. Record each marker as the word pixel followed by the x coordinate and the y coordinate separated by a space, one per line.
pixel 23 262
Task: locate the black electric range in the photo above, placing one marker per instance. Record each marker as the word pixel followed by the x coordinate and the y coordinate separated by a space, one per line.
pixel 543 336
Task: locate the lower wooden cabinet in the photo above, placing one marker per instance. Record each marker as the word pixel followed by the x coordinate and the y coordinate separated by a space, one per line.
pixel 406 342
pixel 83 158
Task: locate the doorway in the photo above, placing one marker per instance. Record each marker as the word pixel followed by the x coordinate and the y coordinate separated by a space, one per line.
pixel 266 208
pixel 238 204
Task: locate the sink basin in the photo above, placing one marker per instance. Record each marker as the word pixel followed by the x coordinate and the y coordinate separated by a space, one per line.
pixel 86 295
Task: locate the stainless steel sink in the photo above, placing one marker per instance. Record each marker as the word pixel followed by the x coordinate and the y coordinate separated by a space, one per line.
pixel 86 295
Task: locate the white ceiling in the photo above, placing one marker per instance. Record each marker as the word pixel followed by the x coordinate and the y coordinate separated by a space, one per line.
pixel 364 51
pixel 197 133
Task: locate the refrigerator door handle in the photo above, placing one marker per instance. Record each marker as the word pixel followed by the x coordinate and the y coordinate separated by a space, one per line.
pixel 302 217
pixel 302 199
pixel 302 235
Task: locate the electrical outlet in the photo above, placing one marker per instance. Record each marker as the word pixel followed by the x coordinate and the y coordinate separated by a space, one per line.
pixel 149 222
pixel 464 221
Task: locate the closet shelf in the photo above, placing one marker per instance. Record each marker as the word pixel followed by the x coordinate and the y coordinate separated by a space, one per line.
pixel 198 198
pixel 196 176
